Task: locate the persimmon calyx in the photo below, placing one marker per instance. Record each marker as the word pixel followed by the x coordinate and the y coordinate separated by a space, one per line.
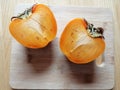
pixel 25 14
pixel 93 31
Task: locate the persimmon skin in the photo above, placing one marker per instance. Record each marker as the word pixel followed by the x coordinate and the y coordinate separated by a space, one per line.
pixel 77 45
pixel 37 30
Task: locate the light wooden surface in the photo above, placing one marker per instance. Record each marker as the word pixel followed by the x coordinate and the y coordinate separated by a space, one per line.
pixel 48 68
pixel 6 11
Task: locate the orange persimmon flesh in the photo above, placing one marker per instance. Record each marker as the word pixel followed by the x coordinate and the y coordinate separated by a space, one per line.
pixel 36 28
pixel 77 45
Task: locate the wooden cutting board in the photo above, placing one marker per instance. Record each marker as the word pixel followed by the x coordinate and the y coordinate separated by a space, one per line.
pixel 48 68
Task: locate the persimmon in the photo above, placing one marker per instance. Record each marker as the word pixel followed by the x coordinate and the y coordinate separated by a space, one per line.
pixel 35 27
pixel 81 42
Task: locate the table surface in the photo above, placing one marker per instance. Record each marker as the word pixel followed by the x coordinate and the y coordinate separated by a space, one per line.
pixel 6 12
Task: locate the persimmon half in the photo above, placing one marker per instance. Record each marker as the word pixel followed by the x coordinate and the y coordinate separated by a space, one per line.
pixel 35 27
pixel 81 42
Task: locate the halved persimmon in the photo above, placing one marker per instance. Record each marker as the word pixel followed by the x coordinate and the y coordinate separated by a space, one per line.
pixel 35 27
pixel 81 42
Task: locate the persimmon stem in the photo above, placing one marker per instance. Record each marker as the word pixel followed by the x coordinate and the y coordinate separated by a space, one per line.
pixel 94 32
pixel 24 14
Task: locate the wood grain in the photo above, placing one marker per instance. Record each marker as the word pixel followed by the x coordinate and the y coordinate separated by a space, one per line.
pixel 48 68
pixel 0 40
pixel 5 45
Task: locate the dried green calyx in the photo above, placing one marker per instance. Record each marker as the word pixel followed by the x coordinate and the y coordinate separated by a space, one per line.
pixel 24 14
pixel 93 31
